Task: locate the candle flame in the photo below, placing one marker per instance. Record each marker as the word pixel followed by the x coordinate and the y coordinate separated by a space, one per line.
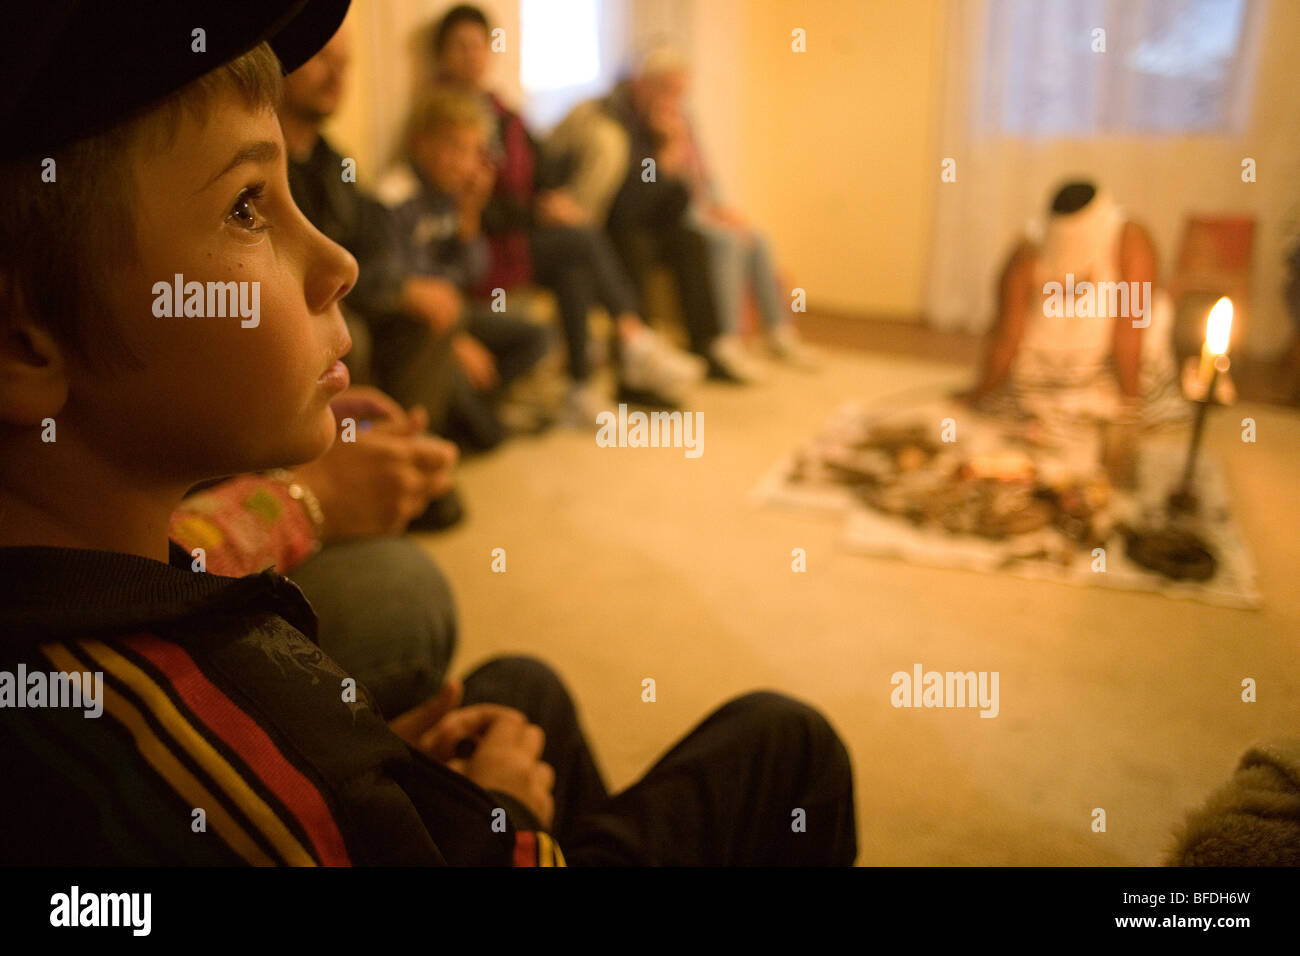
pixel 1219 326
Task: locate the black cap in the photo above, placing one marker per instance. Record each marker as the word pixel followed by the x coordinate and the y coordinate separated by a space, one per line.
pixel 73 68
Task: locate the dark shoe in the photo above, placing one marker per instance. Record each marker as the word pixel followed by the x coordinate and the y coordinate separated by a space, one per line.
pixel 718 372
pixel 474 427
pixel 645 397
pixel 441 514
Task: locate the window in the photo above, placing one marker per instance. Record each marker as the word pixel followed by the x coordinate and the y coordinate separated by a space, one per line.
pixel 560 45
pixel 1062 68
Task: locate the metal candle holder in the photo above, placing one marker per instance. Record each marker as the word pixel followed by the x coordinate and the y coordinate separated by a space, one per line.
pixel 1183 499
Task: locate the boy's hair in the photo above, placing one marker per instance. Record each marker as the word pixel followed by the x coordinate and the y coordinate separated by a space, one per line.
pixel 61 242
pixel 461 13
pixel 443 107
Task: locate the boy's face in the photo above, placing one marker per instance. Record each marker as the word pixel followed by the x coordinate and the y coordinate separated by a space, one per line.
pixel 464 57
pixel 211 396
pixel 449 157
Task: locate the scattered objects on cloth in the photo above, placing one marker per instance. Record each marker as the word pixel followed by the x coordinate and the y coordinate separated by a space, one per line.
pixel 944 486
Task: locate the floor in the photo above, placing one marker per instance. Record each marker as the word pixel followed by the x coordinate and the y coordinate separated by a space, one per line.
pixel 627 563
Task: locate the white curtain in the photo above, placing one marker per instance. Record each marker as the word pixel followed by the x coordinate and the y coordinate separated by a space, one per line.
pixel 1028 100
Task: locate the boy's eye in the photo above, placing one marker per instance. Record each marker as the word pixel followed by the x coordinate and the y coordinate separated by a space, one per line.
pixel 244 212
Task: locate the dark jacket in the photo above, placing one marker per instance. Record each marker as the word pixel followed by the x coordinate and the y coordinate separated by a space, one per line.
pixel 426 221
pixel 661 204
pixel 226 735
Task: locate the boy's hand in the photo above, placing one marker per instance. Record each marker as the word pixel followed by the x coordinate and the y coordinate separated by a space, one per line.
pixel 379 483
pixel 507 748
pixel 436 302
pixel 419 720
pixel 507 758
pixel 441 739
pixel 475 361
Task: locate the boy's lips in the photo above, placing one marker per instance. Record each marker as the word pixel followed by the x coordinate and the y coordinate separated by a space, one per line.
pixel 336 376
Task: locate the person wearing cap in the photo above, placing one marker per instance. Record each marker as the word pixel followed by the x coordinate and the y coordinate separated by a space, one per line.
pixel 155 713
pixel 192 719
pixel 1061 344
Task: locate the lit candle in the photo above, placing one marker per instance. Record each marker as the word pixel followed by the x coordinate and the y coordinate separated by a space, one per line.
pixel 1218 329
pixel 1214 359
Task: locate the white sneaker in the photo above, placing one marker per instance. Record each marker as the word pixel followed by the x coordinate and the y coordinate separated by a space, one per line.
pixel 729 352
pixel 787 346
pixel 581 406
pixel 646 369
pixel 691 369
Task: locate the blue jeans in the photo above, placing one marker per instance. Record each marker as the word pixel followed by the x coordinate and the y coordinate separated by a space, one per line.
pixel 386 616
pixel 738 263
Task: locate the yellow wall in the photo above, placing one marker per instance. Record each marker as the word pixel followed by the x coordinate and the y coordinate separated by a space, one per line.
pixel 836 161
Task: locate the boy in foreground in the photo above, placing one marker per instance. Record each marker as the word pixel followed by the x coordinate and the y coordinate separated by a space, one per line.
pixel 151 713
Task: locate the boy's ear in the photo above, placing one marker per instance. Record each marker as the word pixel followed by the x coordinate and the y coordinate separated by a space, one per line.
pixel 33 371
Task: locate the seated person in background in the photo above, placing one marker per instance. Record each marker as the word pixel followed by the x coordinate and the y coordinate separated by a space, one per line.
pixel 543 235
pixel 436 201
pixel 739 260
pixel 385 612
pixel 601 149
pixel 1057 350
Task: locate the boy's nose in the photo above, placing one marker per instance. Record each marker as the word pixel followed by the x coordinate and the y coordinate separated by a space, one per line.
pixel 333 275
